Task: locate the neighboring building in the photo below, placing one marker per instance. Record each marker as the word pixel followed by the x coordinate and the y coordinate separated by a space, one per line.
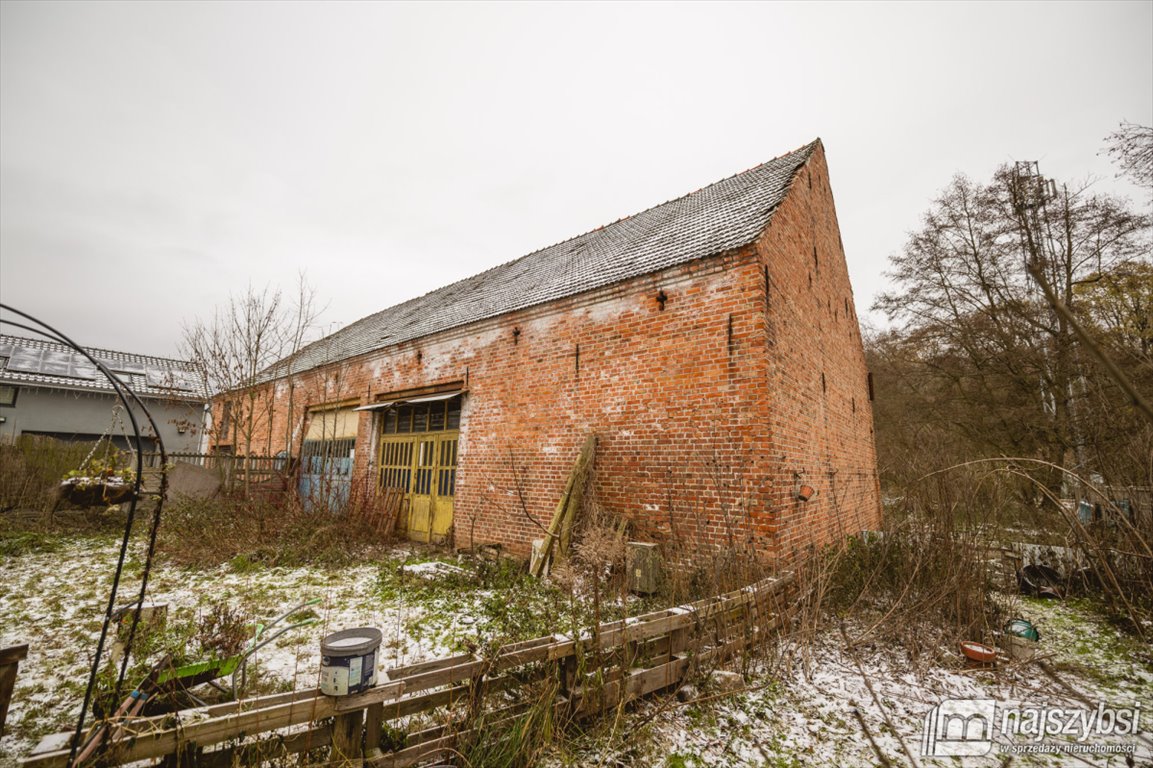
pixel 710 342
pixel 49 389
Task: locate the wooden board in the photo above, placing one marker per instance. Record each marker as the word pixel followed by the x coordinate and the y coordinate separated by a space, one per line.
pixel 10 659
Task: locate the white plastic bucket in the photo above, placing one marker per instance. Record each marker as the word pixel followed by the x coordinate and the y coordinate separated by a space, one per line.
pixel 348 661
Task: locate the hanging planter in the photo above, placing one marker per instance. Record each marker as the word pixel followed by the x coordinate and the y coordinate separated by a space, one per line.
pixel 97 491
pixel 98 484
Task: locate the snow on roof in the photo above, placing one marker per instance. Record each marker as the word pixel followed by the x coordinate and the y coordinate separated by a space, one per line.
pixel 728 214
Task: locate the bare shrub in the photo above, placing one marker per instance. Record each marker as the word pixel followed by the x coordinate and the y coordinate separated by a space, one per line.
pixel 597 561
pixel 951 542
pixel 921 583
pixel 32 467
pixel 250 532
pixel 372 509
pixel 223 631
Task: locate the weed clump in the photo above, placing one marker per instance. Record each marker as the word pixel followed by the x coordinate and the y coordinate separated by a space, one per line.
pixel 216 631
pixel 474 602
pixel 249 533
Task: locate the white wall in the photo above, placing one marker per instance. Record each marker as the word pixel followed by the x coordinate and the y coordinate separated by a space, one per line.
pixel 69 412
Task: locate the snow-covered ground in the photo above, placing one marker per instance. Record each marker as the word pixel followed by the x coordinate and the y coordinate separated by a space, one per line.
pixel 804 705
pixel 54 601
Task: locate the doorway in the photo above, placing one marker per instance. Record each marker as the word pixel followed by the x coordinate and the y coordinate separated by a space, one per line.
pixel 418 455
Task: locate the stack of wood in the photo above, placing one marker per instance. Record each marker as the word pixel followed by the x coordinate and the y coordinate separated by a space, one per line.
pixel 559 532
pixel 378 511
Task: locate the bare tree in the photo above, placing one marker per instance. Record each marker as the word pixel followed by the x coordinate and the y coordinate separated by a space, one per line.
pixel 1010 371
pixel 1131 147
pixel 235 347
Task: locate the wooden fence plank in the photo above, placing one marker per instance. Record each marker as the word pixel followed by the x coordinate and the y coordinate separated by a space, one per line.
pixel 668 642
pixel 145 744
pixel 10 659
pixel 317 737
pixel 400 673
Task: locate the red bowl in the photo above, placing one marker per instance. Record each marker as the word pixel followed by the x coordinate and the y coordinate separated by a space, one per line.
pixel 978 652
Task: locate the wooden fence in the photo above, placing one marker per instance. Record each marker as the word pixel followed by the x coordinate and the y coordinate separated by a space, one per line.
pixel 236 472
pixel 10 659
pixel 584 676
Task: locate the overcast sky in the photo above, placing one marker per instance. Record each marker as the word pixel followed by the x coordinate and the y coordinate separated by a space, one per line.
pixel 155 157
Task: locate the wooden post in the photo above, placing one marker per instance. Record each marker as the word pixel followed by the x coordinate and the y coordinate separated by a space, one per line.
pixel 348 738
pixel 566 672
pixel 678 648
pixel 10 659
pixel 374 718
pixel 678 642
pixel 565 508
pixel 576 496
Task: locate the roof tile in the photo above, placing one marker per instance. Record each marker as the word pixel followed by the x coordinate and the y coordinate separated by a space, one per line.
pixel 720 217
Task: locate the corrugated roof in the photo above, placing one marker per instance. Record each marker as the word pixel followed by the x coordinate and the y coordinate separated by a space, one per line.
pixel 720 217
pixel 47 363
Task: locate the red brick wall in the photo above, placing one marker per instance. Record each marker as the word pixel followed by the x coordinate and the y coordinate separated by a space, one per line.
pixel 821 418
pixel 703 409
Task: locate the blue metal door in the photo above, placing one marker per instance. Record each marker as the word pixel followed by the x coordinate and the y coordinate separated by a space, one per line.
pixel 326 473
pixel 326 458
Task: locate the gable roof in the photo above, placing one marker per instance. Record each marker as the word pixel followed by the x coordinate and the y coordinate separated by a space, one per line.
pixel 720 217
pixel 40 362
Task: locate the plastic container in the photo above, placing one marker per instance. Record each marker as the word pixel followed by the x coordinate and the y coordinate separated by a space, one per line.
pixel 1021 648
pixel 348 661
pixel 1022 628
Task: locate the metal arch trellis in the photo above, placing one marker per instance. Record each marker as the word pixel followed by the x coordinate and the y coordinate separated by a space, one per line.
pixel 127 398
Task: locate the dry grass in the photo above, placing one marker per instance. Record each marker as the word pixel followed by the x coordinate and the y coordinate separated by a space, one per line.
pixel 31 469
pixel 283 532
pixel 937 571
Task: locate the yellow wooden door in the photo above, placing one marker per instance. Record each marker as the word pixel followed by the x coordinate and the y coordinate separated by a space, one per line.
pixel 445 486
pixel 421 495
pixel 424 467
pixel 396 472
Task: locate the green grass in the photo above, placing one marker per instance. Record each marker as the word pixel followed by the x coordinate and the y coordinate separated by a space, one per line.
pixel 1078 630
pixel 488 603
pixel 502 602
pixel 243 564
pixel 18 543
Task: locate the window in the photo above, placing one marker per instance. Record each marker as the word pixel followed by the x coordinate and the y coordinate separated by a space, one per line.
pixel 327 457
pixel 423 417
pixel 7 396
pixel 329 442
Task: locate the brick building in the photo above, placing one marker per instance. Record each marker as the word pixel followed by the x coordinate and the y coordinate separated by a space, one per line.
pixel 711 343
